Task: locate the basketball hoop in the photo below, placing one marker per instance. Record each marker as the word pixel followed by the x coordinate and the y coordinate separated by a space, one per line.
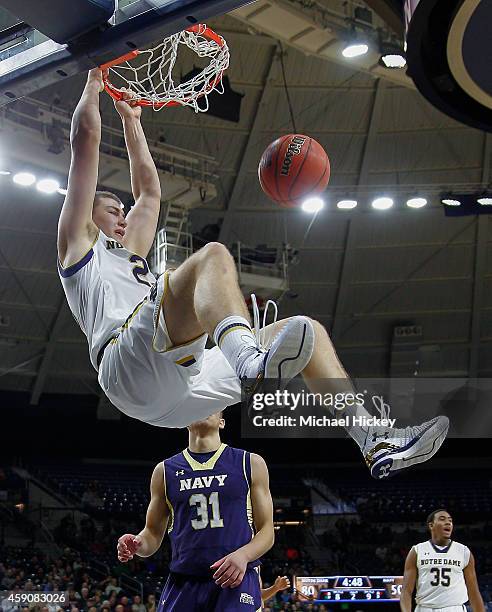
pixel 149 78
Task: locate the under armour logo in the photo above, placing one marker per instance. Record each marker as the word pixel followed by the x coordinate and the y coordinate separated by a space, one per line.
pixel 376 436
pixel 246 598
pixel 180 473
pixel 384 471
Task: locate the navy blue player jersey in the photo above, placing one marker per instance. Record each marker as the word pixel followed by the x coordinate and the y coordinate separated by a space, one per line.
pixel 210 508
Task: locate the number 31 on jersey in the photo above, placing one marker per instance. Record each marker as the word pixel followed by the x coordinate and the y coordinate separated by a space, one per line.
pixel 203 518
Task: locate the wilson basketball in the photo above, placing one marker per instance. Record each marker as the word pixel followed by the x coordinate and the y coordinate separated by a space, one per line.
pixel 293 168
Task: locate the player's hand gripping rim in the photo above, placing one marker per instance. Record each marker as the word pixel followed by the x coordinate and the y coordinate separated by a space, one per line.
pixel 230 570
pixel 127 546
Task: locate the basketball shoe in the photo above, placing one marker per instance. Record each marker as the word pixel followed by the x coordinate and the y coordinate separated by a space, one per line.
pixel 389 451
pixel 289 353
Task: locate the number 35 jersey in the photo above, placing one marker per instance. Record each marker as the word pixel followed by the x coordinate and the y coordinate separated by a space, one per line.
pixel 210 508
pixel 440 580
pixel 104 288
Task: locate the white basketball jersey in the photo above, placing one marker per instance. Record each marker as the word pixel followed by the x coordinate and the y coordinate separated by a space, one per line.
pixel 440 580
pixel 104 288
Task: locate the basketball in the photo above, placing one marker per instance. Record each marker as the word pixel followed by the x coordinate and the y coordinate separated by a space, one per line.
pixel 293 168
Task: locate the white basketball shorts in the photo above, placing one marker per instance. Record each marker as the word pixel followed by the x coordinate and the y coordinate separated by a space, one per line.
pixel 446 609
pixel 148 379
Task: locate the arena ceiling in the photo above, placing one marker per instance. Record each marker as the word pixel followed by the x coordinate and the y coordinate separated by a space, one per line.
pixel 361 272
pixel 391 11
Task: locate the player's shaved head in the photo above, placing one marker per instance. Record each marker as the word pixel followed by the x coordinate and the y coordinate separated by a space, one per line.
pixel 100 195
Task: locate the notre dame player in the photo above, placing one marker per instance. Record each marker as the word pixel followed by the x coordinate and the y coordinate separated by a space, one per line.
pixel 444 571
pixel 147 335
pixel 215 501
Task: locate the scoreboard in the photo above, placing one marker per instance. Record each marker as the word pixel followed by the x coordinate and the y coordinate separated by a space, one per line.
pixel 346 589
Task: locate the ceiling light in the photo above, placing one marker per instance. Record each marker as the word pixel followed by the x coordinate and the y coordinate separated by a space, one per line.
pixel 5 172
pixel 392 56
pixel 416 202
pixel 62 191
pixel 24 178
pixel 382 203
pixel 355 49
pixel 393 60
pixel 451 202
pixel 347 204
pixel 47 185
pixel 485 201
pixel 312 205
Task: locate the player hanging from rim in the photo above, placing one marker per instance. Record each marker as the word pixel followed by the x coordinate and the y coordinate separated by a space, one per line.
pixel 215 502
pixel 147 338
pixel 444 571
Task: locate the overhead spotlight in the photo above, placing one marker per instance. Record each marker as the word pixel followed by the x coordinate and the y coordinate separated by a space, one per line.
pixel 392 56
pixel 47 186
pixel 467 204
pixel 62 191
pixel 382 203
pixel 312 205
pixel 25 179
pixel 355 49
pixel 5 172
pixel 416 202
pixel 393 60
pixel 346 204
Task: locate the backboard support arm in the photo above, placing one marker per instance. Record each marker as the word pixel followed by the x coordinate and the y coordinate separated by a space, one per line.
pixel 38 67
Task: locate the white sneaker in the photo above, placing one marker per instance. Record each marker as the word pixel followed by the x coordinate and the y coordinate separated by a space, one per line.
pixel 389 451
pixel 287 356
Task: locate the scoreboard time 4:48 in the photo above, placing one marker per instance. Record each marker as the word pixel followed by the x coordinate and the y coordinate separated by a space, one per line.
pixel 345 589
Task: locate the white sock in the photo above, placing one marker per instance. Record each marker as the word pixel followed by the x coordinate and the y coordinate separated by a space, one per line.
pixel 356 432
pixel 235 338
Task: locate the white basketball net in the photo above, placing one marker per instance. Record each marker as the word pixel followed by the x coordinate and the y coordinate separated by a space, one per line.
pixel 149 76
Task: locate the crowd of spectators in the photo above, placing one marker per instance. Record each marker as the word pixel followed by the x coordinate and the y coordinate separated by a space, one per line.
pixel 89 588
pixel 89 571
pixel 92 589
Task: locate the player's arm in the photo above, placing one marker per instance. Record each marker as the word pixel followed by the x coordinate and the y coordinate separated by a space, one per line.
pixel 76 231
pixel 409 579
pixel 230 570
pixel 144 215
pixel 148 541
pixel 262 505
pixel 281 583
pixel 471 582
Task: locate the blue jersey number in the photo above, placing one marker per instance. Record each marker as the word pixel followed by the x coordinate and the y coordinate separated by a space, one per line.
pixel 140 268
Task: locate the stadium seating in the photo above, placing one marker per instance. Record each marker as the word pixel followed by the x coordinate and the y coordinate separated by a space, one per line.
pixel 468 494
